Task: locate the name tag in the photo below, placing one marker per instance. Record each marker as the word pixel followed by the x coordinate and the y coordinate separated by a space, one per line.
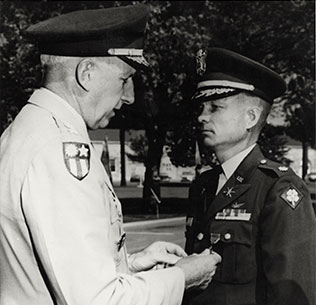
pixel 233 214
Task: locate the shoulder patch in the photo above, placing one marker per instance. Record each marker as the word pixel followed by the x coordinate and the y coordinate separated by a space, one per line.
pixel 292 196
pixel 77 159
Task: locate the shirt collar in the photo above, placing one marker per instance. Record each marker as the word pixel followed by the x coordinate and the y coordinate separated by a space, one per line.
pixel 230 165
pixel 59 108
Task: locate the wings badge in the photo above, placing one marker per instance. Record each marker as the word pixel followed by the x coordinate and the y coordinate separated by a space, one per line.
pixel 77 158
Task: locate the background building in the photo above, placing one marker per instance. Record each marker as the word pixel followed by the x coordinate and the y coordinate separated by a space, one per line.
pixel 107 141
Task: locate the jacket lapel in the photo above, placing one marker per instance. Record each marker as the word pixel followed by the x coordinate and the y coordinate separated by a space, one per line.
pixel 227 195
pixel 236 185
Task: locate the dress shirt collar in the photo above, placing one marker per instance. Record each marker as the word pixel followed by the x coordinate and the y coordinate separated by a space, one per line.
pixel 60 109
pixel 231 164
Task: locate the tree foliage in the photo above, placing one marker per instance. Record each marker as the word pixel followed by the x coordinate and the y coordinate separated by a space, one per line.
pixel 139 145
pixel 284 41
pixel 279 34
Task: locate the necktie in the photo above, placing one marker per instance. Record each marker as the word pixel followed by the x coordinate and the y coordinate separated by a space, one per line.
pixel 211 185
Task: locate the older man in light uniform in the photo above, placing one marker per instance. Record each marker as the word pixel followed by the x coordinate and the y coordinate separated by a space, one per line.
pixel 62 240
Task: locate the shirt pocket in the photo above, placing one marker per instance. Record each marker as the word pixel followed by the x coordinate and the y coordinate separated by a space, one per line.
pixel 237 249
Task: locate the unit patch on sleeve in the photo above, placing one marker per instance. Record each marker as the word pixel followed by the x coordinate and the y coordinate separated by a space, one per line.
pixel 77 158
pixel 292 196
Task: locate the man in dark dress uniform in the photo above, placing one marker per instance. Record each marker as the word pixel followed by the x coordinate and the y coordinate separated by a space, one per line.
pixel 254 212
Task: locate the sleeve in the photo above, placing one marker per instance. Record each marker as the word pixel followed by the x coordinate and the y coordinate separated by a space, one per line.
pixel 70 226
pixel 288 229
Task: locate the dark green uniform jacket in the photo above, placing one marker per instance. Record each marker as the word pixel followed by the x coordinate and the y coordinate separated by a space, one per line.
pixel 265 226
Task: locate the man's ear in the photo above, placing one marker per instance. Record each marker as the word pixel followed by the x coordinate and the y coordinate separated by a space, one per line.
pixel 253 115
pixel 84 72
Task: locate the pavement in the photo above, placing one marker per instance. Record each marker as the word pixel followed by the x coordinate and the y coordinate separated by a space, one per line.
pixel 174 199
pixel 168 225
pixel 143 229
pixel 141 234
pixel 134 190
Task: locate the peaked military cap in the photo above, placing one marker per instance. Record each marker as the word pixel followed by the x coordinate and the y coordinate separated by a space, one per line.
pixel 114 31
pixel 224 73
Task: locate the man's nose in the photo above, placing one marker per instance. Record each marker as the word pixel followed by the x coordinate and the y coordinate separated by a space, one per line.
pixel 128 96
pixel 204 117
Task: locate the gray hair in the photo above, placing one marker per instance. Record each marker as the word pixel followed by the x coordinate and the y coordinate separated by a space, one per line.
pixel 56 60
pixel 53 65
pixel 52 60
pixel 246 97
pixel 65 64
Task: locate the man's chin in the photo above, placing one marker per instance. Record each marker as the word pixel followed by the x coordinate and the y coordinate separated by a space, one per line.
pixel 104 123
pixel 101 124
pixel 208 142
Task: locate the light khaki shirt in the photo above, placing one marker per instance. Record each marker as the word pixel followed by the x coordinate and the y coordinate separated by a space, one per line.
pixel 59 235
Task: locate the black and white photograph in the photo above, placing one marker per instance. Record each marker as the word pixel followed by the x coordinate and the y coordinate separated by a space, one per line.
pixel 157 153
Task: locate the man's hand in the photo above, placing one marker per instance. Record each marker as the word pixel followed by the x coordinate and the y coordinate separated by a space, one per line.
pixel 199 269
pixel 158 254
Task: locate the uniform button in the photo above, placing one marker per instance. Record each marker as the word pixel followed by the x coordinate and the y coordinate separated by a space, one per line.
pixel 263 161
pixel 227 236
pixel 200 236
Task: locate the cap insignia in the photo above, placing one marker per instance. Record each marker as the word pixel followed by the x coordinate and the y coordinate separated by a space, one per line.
pixel 132 54
pixel 212 91
pixel 125 52
pixel 139 59
pixel 77 159
pixel 201 62
pixel 292 196
pixel 226 83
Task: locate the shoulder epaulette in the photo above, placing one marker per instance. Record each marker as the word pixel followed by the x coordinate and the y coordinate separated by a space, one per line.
pixel 278 168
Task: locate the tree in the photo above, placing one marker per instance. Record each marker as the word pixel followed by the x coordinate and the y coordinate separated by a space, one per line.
pixel 139 146
pixel 284 41
pixel 177 29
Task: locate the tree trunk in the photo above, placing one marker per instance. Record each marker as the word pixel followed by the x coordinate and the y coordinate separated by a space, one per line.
pixel 305 158
pixel 123 167
pixel 151 190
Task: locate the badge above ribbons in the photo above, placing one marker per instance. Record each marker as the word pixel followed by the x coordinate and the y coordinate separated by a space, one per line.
pixel 77 158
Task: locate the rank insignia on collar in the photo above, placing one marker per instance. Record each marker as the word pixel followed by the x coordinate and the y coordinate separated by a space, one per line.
pixel 292 196
pixel 77 158
pixel 240 179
